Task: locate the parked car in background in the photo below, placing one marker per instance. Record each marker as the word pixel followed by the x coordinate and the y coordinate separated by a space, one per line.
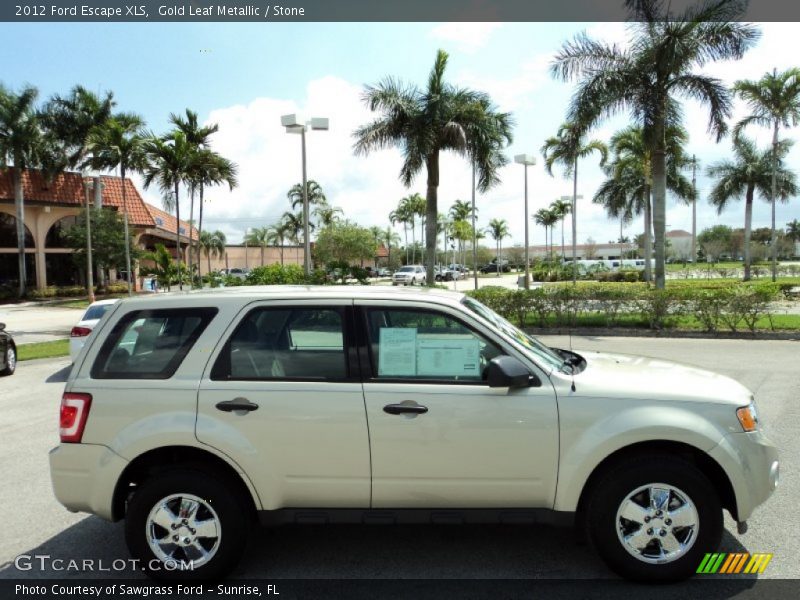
pixel 8 352
pixel 410 275
pixel 384 272
pixel 446 274
pixel 492 268
pixel 456 267
pixel 79 333
pixel 238 273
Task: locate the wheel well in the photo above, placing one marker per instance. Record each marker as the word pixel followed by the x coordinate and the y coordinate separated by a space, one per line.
pixel 707 465
pixel 161 459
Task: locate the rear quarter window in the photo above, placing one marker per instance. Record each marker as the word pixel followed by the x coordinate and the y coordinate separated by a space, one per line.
pixel 150 344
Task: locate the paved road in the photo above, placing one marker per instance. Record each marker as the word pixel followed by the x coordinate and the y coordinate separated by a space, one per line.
pixel 37 323
pixel 34 523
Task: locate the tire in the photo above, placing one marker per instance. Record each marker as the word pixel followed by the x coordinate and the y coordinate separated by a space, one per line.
pixel 627 489
pixel 10 360
pixel 223 512
pixel 413 280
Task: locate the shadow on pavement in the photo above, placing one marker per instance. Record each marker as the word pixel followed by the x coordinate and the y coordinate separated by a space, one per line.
pixel 59 376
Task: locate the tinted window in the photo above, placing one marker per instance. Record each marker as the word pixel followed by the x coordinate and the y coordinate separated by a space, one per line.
pixel 150 344
pixel 426 345
pixel 285 343
pixel 96 312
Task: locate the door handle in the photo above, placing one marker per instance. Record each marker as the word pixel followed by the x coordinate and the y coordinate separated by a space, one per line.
pixel 236 404
pixel 405 409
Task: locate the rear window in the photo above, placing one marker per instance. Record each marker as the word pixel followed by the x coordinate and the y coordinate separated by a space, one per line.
pixel 96 312
pixel 150 344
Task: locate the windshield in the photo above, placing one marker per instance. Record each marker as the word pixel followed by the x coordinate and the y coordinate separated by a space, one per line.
pixel 545 355
pixel 406 269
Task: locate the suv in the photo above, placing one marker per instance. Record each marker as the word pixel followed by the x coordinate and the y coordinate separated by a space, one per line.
pixel 410 275
pixel 193 415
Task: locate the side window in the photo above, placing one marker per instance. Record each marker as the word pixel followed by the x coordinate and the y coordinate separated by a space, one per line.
pixel 150 344
pixel 426 345
pixel 285 343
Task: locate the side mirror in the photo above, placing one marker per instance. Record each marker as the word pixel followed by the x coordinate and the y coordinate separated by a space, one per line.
pixel 507 371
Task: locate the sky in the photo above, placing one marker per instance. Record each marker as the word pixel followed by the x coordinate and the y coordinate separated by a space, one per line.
pixel 244 76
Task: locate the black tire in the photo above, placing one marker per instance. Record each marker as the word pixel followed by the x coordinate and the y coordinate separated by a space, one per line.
pixel 616 485
pixel 218 493
pixel 11 365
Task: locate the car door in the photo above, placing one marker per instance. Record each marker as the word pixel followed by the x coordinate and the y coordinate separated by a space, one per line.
pixel 282 397
pixel 440 437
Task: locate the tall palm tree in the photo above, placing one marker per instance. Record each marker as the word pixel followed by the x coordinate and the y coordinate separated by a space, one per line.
pixel 21 147
pixel 793 230
pixel 750 172
pixel 408 208
pixel 498 229
pixel 258 237
pixel 567 148
pixel 209 168
pixel 774 101
pixel 399 216
pixel 646 78
pixel 425 122
pixel 212 244
pixel 547 219
pixel 561 209
pixel 390 238
pixel 294 225
pixel 277 236
pixel 118 144
pixel 169 163
pixel 461 212
pixel 328 215
pixel 628 188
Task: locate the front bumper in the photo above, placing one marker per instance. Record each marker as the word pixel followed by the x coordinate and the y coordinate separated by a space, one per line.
pixel 84 477
pixel 751 462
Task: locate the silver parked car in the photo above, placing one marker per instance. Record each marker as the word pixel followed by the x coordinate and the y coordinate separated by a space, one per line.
pixel 410 275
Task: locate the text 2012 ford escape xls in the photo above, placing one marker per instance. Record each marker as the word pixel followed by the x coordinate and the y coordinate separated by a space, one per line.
pixel 193 415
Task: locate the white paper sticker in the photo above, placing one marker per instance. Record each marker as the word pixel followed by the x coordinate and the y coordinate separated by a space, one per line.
pixel 398 352
pixel 449 357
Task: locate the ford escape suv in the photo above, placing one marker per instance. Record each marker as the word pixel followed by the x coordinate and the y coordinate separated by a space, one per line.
pixel 193 415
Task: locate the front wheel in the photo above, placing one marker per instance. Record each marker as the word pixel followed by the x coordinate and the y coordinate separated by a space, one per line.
pixel 186 525
pixel 653 518
pixel 11 361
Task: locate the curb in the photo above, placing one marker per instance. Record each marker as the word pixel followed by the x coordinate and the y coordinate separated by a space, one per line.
pixel 665 333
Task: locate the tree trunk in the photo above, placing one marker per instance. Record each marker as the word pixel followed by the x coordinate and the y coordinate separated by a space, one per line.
pixel 178 236
pixel 748 225
pixel 200 230
pixel 208 258
pixel 648 246
pixel 659 202
pixel 413 241
pixel 19 202
pixel 262 255
pixel 432 164
pixel 498 259
pixel 773 238
pixel 127 231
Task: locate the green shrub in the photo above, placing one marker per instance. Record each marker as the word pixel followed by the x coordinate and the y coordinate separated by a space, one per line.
pixel 276 274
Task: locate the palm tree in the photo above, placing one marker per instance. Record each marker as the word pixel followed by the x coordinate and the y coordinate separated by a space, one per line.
pixel 259 237
pixel 774 101
pixel 750 172
pixel 169 161
pixel 664 51
pixel 561 209
pixel 212 244
pixel 277 236
pixel 567 148
pixel 294 225
pixel 21 148
pixel 546 218
pixel 118 144
pixel 327 215
pixel 197 137
pixel 460 212
pixel 627 190
pixel 209 168
pixel 498 229
pixel 399 216
pixel 390 238
pixel 408 208
pixel 793 231
pixel 425 122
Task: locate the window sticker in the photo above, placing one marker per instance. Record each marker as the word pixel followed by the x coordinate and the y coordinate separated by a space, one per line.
pixel 448 357
pixel 397 356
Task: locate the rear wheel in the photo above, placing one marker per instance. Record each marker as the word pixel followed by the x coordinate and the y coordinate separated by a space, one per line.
pixel 186 525
pixel 10 360
pixel 653 518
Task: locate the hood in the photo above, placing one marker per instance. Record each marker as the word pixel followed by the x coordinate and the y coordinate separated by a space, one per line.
pixel 622 375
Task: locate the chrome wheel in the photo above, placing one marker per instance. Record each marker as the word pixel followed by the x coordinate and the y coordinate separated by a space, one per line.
pixel 182 527
pixel 657 523
pixel 11 360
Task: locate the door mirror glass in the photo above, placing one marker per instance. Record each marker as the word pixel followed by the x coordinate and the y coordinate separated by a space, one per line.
pixel 507 371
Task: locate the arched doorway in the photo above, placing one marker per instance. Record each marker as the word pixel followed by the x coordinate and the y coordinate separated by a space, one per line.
pixel 9 261
pixel 59 260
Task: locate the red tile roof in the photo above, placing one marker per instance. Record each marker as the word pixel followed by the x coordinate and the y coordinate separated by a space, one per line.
pixel 678 233
pixel 67 189
pixel 381 252
pixel 166 222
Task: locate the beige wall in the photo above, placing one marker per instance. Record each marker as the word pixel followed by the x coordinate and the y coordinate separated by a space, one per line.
pixel 241 257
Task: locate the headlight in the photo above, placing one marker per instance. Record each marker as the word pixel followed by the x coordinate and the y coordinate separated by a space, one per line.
pixel 748 417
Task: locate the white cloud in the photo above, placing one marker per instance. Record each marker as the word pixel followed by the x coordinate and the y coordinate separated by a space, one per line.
pixel 467 37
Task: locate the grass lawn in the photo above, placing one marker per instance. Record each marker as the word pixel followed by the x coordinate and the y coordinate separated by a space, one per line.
pixel 686 323
pixel 43 350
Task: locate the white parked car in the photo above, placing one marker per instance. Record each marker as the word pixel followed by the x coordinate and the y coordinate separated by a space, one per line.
pixel 79 333
pixel 410 275
pixel 195 415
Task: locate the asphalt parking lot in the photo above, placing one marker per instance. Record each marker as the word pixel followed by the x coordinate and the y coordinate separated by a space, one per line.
pixel 34 523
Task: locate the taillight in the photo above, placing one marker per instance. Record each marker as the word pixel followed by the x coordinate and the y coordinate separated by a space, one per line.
pixel 74 411
pixel 80 332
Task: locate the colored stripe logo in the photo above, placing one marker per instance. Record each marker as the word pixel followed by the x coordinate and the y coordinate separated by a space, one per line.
pixel 734 563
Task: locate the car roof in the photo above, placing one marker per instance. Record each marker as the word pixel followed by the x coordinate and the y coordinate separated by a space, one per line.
pixel 101 302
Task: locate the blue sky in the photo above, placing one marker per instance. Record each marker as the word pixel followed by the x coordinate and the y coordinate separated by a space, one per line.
pixel 244 76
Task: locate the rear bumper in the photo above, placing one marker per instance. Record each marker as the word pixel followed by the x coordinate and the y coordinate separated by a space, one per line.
pixel 84 477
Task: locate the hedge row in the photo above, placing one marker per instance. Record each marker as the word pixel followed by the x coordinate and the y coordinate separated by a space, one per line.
pixel 734 306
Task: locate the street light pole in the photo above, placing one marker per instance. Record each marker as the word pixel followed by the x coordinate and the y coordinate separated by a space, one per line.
pixel 694 208
pixel 526 160
pixel 89 275
pixel 293 125
pixel 474 234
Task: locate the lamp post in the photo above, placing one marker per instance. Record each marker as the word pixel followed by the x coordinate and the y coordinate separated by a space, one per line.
pixel 474 234
pixel 292 125
pixel 88 184
pixel 526 160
